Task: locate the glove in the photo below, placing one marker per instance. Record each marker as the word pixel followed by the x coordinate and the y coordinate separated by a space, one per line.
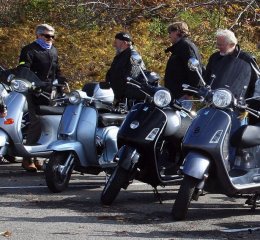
pixel 62 80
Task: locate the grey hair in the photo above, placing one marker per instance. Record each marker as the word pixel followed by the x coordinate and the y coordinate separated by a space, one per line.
pixel 228 35
pixel 40 29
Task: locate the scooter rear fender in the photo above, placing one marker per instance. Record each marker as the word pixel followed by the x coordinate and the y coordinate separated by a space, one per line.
pixel 196 165
pixel 128 157
pixel 68 145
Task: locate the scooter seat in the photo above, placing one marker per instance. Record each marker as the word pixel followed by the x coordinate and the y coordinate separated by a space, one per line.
pixel 110 119
pixel 49 110
pixel 246 136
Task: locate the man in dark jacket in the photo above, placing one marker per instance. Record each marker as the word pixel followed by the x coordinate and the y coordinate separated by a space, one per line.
pixel 122 67
pixel 177 71
pixel 41 57
pixel 232 68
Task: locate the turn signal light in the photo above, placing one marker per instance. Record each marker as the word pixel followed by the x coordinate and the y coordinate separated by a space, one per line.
pixel 8 121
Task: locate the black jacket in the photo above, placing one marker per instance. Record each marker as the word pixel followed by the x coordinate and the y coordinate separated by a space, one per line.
pixel 177 71
pixel 120 69
pixel 43 62
pixel 232 71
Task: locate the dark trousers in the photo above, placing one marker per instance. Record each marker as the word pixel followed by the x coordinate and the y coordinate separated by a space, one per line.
pixel 34 130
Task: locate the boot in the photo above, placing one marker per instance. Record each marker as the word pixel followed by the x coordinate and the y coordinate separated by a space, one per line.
pixel 38 164
pixel 28 165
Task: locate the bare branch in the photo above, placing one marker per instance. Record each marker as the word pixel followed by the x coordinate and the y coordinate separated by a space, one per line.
pixel 241 13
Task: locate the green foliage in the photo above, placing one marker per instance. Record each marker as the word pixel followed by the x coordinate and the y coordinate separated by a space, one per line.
pixel 157 27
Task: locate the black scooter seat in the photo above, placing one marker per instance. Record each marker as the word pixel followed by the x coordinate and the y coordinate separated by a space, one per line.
pixel 49 110
pixel 246 136
pixel 110 119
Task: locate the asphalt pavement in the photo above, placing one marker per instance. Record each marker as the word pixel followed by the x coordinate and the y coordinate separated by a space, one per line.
pixel 28 210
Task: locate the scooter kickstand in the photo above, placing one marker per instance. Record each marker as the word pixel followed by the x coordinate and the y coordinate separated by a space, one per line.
pixel 253 201
pixel 157 195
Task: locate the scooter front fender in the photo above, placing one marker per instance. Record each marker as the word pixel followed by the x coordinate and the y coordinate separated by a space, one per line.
pixel 67 145
pixel 196 165
pixel 128 157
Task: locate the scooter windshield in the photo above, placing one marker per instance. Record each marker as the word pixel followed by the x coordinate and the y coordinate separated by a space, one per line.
pixel 27 74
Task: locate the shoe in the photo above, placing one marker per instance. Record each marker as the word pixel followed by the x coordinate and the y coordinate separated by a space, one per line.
pixel 38 164
pixel 28 165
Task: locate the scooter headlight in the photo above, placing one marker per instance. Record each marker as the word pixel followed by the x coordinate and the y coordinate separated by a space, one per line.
pixel 222 98
pixel 162 98
pixel 19 85
pixel 74 97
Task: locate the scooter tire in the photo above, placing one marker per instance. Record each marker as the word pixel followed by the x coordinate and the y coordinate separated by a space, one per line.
pixel 116 181
pixel 55 183
pixel 183 199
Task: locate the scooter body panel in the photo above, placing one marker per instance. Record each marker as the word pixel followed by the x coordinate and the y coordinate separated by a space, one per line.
pixel 108 136
pixel 142 126
pixel 16 104
pixel 86 134
pixel 69 121
pixel 142 134
pixel 209 135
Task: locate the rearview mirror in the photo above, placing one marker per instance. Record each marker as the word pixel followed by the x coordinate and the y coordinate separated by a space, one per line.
pixel 193 64
pixel 136 61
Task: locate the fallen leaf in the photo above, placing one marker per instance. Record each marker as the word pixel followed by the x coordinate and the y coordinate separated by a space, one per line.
pixel 6 234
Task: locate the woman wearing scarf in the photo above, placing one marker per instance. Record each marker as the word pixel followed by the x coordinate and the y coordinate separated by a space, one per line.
pixel 41 57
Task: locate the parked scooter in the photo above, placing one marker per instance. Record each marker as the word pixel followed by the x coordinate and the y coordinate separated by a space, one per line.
pixel 221 155
pixel 87 136
pixel 13 126
pixel 149 141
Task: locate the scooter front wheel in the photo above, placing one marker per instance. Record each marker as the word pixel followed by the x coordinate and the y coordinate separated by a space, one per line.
pixel 58 171
pixel 183 199
pixel 116 181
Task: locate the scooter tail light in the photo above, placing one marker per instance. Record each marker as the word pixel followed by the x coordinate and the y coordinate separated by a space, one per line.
pixel 9 121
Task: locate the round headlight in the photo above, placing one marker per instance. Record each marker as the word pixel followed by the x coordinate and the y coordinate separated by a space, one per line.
pixel 222 98
pixel 74 97
pixel 162 98
pixel 19 85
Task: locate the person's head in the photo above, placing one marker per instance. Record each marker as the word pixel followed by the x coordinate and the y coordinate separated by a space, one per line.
pixel 226 41
pixel 45 32
pixel 178 30
pixel 122 41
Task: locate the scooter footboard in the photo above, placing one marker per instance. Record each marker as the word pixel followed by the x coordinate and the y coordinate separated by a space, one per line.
pixel 196 165
pixel 128 157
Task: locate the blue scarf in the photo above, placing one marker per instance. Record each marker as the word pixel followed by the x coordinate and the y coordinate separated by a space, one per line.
pixel 43 44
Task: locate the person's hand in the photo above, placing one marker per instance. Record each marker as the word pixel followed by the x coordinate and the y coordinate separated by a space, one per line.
pixel 62 80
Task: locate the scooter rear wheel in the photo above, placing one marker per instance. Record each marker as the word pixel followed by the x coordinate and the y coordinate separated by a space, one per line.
pixel 54 180
pixel 183 199
pixel 116 181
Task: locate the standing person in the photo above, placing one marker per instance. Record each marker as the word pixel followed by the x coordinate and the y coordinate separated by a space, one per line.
pixel 233 68
pixel 122 67
pixel 177 71
pixel 41 57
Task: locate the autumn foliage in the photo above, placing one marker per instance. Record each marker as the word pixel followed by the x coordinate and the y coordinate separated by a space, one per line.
pixel 86 29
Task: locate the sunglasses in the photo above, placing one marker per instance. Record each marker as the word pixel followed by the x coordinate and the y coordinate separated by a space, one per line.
pixel 48 36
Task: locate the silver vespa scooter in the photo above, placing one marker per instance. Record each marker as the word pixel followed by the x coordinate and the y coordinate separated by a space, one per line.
pixel 87 136
pixel 12 127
